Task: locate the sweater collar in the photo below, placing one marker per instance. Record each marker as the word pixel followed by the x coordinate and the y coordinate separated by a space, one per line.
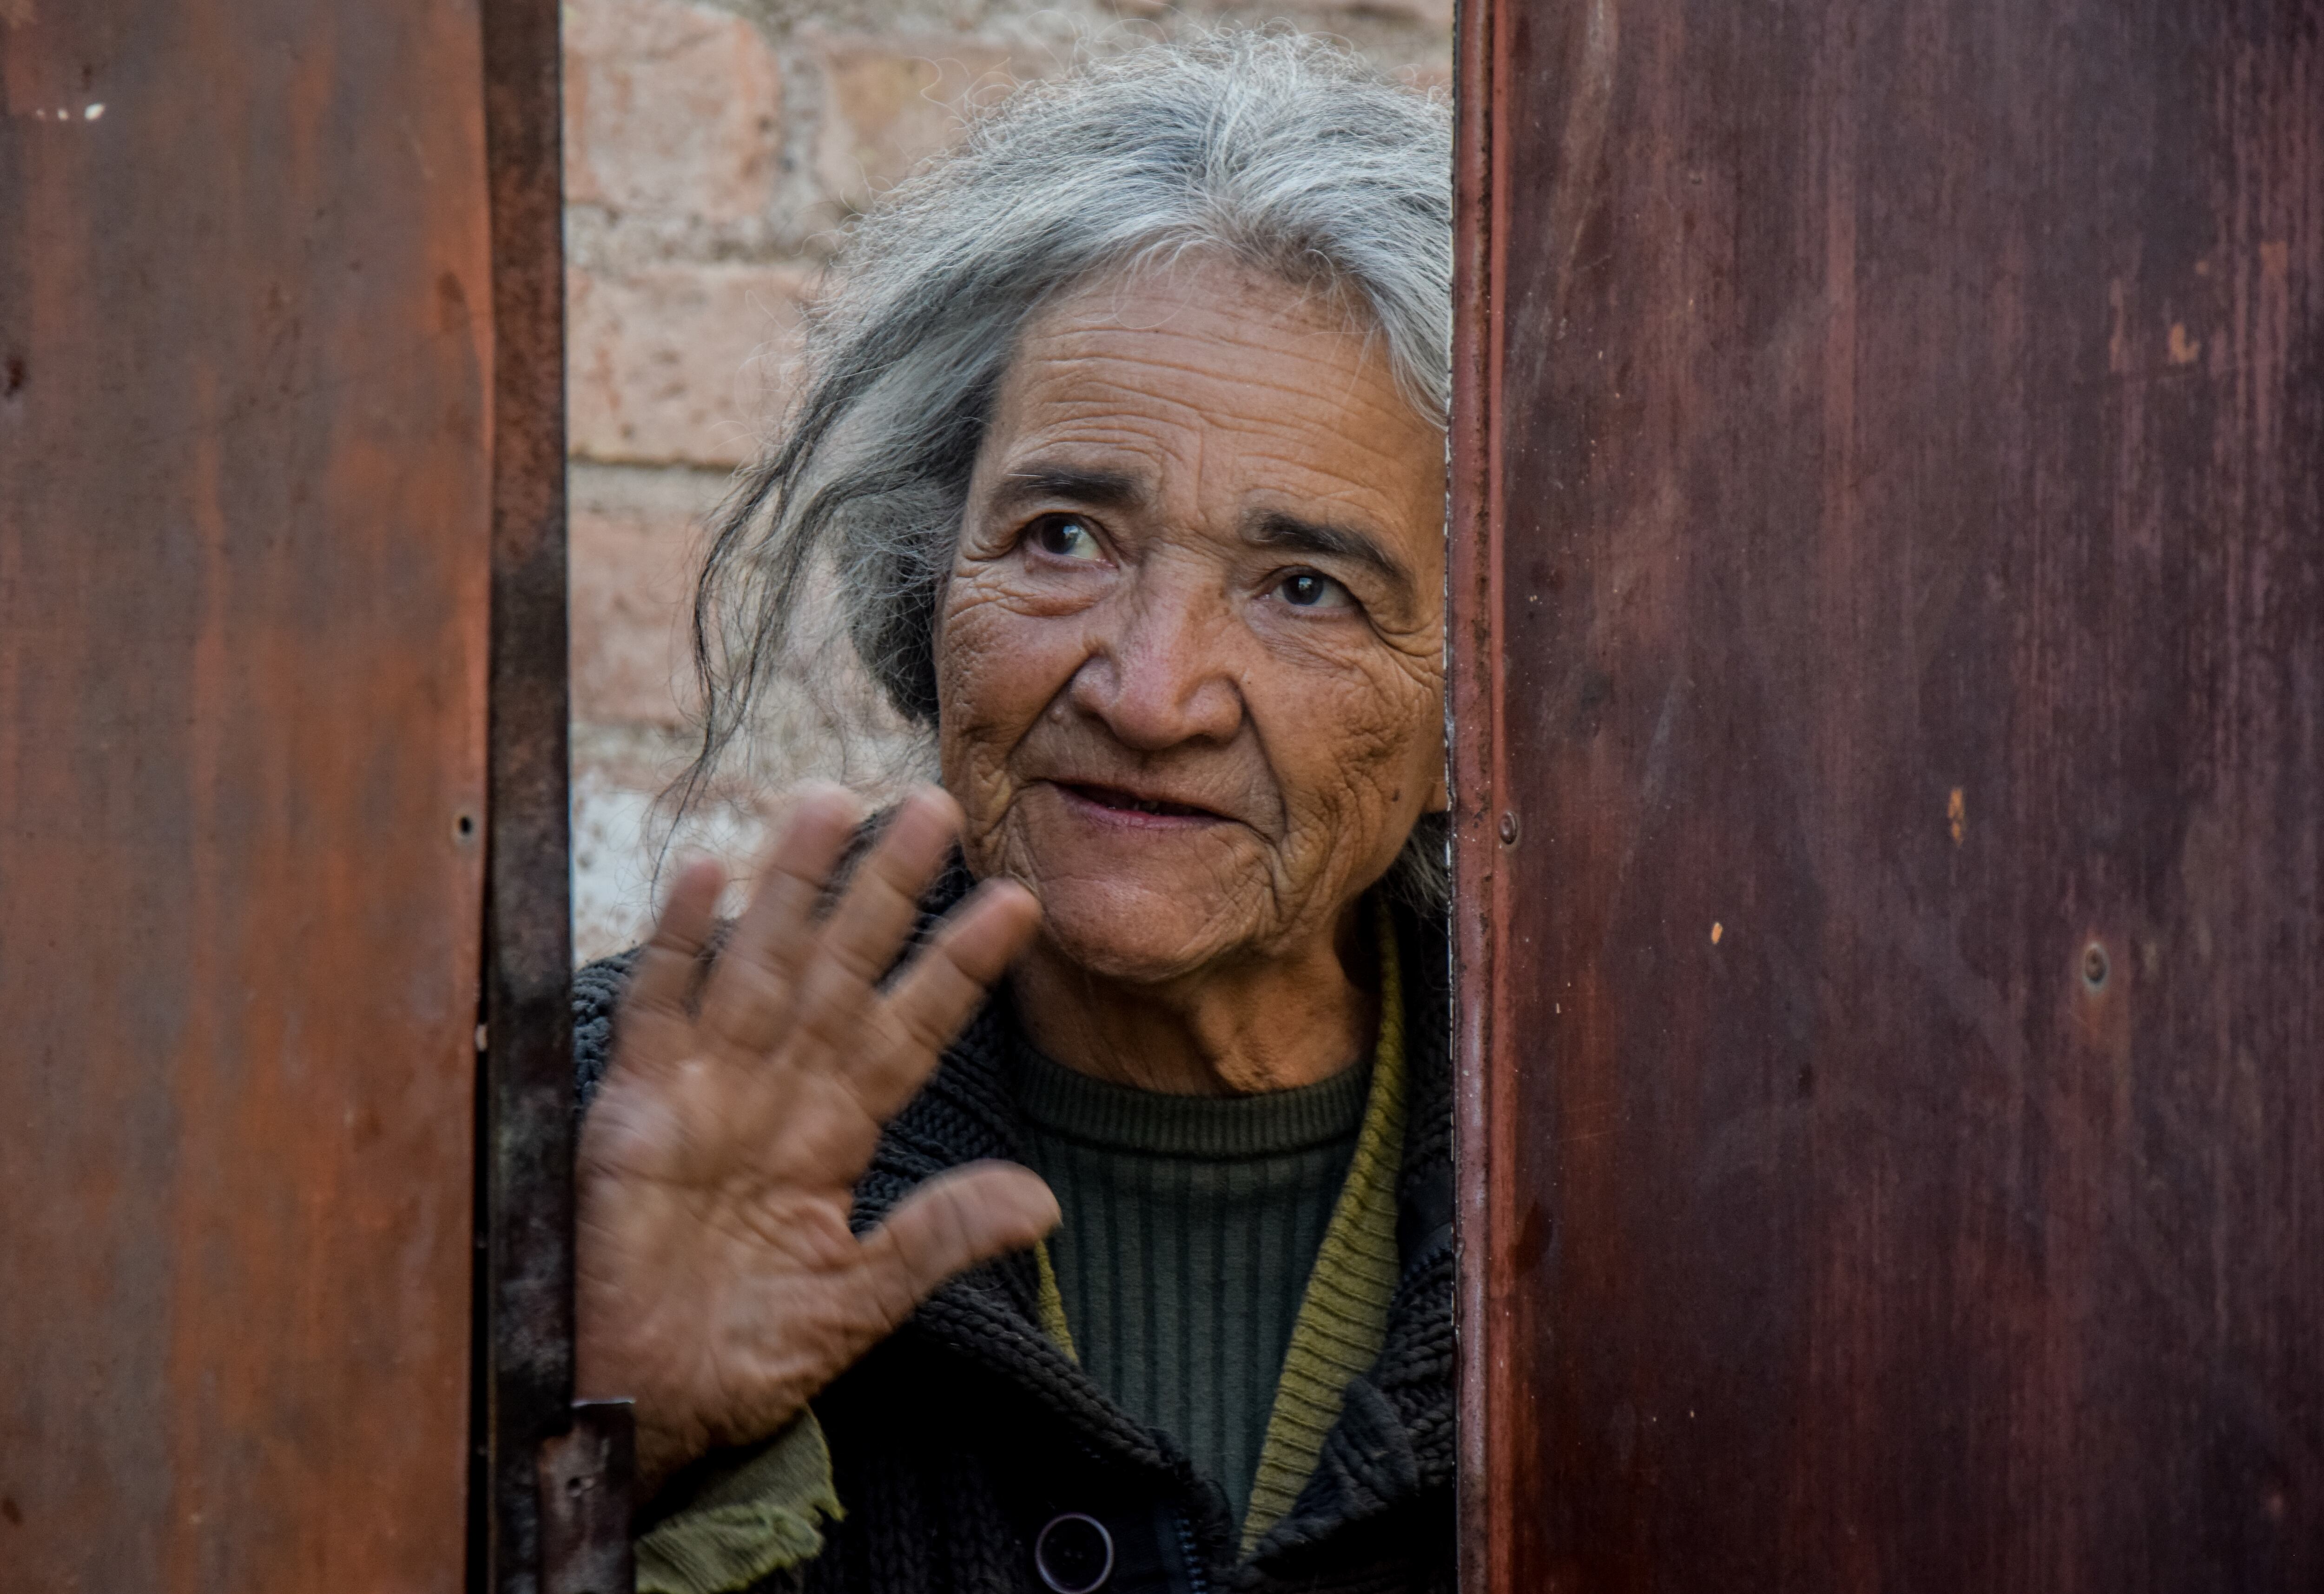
pixel 1108 1117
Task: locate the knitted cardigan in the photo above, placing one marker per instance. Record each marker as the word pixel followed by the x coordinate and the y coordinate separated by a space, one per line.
pixel 955 1440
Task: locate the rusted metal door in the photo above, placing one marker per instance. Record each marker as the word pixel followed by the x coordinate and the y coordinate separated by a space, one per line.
pixel 1890 601
pixel 276 437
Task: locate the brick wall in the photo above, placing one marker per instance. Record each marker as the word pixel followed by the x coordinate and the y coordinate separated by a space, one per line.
pixel 711 152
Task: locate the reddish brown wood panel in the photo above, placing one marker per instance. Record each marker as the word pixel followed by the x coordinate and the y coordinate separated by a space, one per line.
pixel 245 566
pixel 1891 659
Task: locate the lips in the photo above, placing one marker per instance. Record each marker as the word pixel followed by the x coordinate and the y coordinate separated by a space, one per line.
pixel 1115 799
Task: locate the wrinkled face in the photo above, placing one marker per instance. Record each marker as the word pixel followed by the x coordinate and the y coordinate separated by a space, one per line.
pixel 1190 656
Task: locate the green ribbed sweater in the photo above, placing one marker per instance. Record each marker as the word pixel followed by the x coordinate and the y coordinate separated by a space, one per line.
pixel 1191 1226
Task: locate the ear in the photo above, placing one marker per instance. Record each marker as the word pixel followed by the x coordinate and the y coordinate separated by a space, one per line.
pixel 1440 798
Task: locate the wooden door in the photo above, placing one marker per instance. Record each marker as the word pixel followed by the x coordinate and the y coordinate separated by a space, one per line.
pixel 264 414
pixel 1889 594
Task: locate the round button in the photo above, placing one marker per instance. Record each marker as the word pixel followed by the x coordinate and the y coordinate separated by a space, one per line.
pixel 1074 1554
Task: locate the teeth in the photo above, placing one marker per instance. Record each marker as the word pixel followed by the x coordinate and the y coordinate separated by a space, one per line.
pixel 1139 805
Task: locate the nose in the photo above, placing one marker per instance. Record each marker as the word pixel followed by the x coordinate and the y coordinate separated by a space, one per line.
pixel 1161 670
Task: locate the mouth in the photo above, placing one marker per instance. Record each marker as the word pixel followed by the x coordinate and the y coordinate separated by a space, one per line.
pixel 1120 806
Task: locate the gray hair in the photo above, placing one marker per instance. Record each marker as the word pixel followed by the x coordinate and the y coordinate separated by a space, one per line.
pixel 1282 152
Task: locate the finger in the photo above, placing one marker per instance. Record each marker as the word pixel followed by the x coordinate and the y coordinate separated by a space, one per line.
pixel 753 989
pixel 939 989
pixel 666 970
pixel 953 1221
pixel 861 940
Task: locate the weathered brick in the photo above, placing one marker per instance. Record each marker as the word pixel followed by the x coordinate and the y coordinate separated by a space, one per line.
pixel 670 106
pixel 680 363
pixel 633 540
pixel 613 861
pixel 1431 19
pixel 890 103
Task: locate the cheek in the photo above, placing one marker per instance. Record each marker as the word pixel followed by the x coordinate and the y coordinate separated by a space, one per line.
pixel 1350 746
pixel 997 669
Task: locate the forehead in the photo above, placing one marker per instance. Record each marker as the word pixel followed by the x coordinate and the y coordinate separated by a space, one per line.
pixel 1211 369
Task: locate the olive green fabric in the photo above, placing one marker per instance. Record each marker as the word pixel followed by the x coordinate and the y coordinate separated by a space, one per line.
pixel 1191 1224
pixel 1343 1318
pixel 761 1516
pixel 1053 1304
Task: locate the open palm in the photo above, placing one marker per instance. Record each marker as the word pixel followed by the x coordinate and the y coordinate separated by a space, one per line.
pixel 719 1284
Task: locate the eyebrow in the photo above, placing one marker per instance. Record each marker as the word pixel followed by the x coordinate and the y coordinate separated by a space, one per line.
pixel 1038 481
pixel 1278 529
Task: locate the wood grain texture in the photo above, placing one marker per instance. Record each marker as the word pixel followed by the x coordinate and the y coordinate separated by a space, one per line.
pixel 1898 1146
pixel 244 558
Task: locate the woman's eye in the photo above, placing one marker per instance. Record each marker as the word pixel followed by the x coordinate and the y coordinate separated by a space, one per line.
pixel 1066 537
pixel 1305 589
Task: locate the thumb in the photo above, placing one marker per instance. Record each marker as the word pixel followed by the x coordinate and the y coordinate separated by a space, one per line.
pixel 953 1221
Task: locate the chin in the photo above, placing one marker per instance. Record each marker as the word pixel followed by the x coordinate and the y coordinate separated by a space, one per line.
pixel 1122 930
pixel 1137 902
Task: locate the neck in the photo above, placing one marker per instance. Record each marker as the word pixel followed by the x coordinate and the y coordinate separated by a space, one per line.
pixel 1247 1026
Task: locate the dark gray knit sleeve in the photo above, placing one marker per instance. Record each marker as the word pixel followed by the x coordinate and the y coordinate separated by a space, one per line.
pixel 596 994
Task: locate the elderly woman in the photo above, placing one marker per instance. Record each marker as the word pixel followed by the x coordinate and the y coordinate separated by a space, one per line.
pixel 1047 1187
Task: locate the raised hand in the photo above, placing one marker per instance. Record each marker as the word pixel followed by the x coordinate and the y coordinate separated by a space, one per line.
pixel 719 1284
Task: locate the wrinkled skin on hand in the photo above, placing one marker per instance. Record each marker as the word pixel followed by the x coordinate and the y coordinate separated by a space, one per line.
pixel 719 1284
